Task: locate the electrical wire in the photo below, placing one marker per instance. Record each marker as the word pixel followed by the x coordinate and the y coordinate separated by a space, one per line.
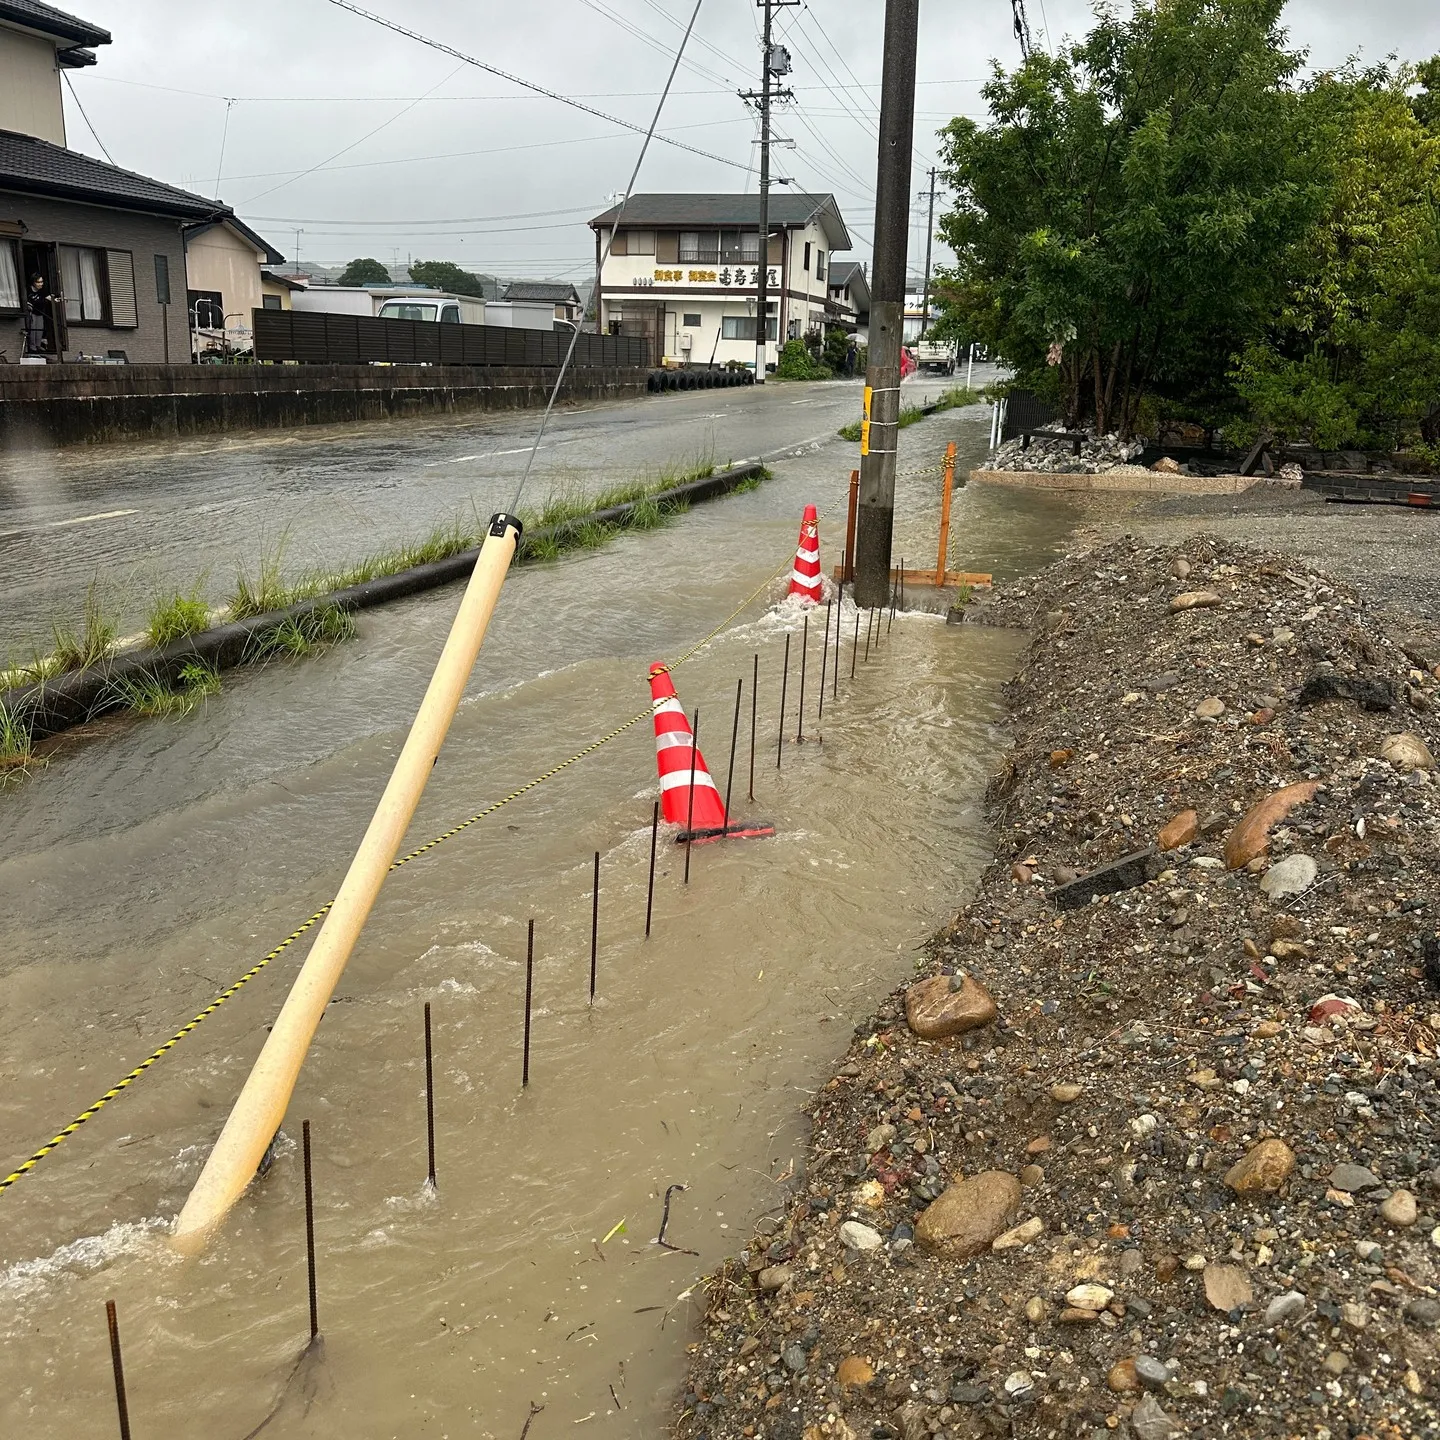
pixel 530 84
pixel 94 134
pixel 645 38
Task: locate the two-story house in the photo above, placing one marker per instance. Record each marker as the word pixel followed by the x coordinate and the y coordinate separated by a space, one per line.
pixel 850 296
pixel 108 246
pixel 684 272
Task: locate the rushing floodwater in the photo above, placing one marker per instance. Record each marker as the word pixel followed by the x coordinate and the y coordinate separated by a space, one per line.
pixel 154 862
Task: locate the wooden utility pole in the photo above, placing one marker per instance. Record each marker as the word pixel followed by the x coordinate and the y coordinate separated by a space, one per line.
pixel 929 241
pixel 880 431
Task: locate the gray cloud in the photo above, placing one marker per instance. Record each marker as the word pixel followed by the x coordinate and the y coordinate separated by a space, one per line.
pixel 310 81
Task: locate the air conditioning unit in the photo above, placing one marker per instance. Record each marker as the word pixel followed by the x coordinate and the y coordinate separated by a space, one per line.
pixel 686 340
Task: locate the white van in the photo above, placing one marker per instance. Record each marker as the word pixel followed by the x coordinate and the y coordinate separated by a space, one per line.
pixel 434 307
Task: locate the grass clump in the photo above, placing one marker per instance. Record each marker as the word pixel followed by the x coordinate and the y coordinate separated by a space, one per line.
pixel 174 616
pixel 952 399
pixel 150 695
pixel 295 636
pixel 263 592
pixel 17 750
pixel 90 644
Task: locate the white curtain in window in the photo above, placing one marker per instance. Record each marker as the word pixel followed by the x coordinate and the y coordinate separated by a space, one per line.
pixel 70 282
pixel 9 278
pixel 90 284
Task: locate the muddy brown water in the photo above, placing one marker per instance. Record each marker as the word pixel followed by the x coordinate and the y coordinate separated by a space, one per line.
pixel 151 864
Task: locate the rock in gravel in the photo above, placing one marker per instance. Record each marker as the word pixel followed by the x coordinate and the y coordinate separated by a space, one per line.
pixel 1423 1312
pixel 1407 752
pixel 1227 1287
pixel 1122 1378
pixel 1035 1309
pixel 1285 1308
pixel 1022 1234
pixel 1179 831
pixel 1089 1297
pixel 773 1277
pixel 947 1005
pixel 879 1138
pixel 1251 837
pixel 1400 1210
pixel 969 1216
pixel 1264 1169
pixel 1064 1094
pixel 1020 1385
pixel 1210 708
pixel 1151 1372
pixel 854 1373
pixel 795 1359
pixel 1293 875
pixel 1149 1420
pixel 1194 600
pixel 1354 1178
pixel 860 1237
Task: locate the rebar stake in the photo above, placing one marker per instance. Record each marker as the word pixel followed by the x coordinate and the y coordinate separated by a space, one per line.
pixel 529 993
pixel 804 656
pixel 118 1365
pixel 869 626
pixel 650 891
pixel 595 928
pixel 784 683
pixel 855 648
pixel 429 1095
pixel 824 664
pixel 310 1230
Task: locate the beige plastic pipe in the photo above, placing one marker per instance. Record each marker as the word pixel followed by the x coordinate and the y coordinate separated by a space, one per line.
pixel 263 1101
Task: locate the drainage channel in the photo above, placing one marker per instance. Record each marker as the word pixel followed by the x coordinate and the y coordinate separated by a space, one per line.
pixel 146 870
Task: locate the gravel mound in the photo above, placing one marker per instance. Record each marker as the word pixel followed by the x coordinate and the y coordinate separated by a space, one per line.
pixel 1186 1180
pixel 1097 454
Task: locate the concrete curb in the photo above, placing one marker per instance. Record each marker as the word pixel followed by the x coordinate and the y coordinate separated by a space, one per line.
pixel 1128 478
pixel 58 704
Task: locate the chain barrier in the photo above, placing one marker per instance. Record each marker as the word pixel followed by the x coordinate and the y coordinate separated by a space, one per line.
pixel 190 1026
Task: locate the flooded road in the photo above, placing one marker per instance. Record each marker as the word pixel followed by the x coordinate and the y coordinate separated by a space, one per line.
pixel 141 520
pixel 153 863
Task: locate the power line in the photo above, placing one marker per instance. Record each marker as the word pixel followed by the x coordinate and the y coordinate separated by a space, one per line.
pixel 527 84
pixel 93 134
pixel 411 224
pixel 632 29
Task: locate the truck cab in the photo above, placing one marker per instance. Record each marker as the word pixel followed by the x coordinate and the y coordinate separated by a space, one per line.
pixel 434 309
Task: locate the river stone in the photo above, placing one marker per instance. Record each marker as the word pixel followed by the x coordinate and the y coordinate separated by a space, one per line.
pixel 1264 1169
pixel 1227 1287
pixel 854 1373
pixel 969 1216
pixel 1063 1094
pixel 1212 707
pixel 1284 1308
pixel 795 1359
pixel 1089 1297
pixel 1152 1373
pixel 860 1237
pixel 1194 600
pixel 1020 1385
pixel 1251 837
pixel 879 1138
pixel 936 1008
pixel 1149 1420
pixel 1179 831
pixel 1407 752
pixel 1354 1178
pixel 1400 1209
pixel 1291 876
pixel 1122 1378
pixel 773 1277
pixel 1022 1234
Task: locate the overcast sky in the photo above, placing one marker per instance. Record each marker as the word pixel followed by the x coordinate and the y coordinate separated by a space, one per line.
pixel 369 143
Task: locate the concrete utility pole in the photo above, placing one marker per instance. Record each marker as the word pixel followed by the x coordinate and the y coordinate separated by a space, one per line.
pixel 876 511
pixel 775 60
pixel 929 240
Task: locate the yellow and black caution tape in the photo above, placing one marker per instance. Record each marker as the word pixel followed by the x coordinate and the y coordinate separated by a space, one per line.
pixel 126 1081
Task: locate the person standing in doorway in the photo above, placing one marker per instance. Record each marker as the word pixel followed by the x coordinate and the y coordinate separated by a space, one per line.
pixel 38 301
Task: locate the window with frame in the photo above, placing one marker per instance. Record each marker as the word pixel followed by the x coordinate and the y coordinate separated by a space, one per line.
pixel 742 327
pixel 82 278
pixel 819 264
pixel 639 242
pixel 740 247
pixel 699 247
pixel 807 257
pixel 271 302
pixel 691 320
pixel 207 309
pixel 9 277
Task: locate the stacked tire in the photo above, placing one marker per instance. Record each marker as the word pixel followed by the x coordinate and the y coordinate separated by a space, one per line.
pixel 658 381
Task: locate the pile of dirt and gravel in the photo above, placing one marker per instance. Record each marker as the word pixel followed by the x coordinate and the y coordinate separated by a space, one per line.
pixel 1094 454
pixel 1149 1149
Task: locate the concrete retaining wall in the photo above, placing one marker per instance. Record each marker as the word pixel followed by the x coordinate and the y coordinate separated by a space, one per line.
pixel 49 405
pixel 1132 478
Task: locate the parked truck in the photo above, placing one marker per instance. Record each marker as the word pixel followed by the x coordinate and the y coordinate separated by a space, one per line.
pixel 938 355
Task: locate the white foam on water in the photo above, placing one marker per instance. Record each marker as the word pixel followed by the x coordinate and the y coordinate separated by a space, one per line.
pixel 27 1279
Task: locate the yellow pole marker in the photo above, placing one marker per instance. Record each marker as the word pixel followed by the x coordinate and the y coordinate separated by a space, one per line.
pixel 865 424
pixel 261 1107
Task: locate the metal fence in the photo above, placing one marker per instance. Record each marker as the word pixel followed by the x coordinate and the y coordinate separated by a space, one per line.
pixel 322 339
pixel 1026 411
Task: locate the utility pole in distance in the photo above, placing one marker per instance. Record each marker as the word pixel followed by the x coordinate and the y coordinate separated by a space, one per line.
pixel 875 513
pixel 775 60
pixel 929 241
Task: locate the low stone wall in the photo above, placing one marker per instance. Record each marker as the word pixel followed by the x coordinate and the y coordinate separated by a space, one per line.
pixel 45 406
pixel 1133 478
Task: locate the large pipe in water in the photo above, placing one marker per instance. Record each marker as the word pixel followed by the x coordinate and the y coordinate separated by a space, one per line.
pixel 260 1109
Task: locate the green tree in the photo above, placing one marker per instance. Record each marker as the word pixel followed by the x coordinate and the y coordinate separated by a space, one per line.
pixel 364 272
pixel 837 345
pixel 1426 104
pixel 446 275
pixel 1121 218
pixel 1353 357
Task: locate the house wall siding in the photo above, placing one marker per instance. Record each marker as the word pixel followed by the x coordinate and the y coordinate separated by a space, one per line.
pixel 63 222
pixel 30 87
pixel 217 259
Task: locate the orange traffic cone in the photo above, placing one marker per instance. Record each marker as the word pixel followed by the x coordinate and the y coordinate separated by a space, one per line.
pixel 679 762
pixel 805 577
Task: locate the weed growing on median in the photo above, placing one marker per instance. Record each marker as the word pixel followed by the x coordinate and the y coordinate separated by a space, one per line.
pixel 92 643
pixel 17 751
pixel 303 634
pixel 952 399
pixel 174 616
pixel 264 592
pixel 149 695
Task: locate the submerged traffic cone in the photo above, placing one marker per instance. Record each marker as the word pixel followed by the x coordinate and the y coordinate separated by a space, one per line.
pixel 680 762
pixel 805 577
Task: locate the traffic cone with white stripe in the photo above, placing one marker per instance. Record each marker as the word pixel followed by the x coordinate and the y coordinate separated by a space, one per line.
pixel 805 576
pixel 680 764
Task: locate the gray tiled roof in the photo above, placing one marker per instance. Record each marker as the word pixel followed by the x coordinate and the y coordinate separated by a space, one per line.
pixel 35 15
pixel 550 290
pixel 37 167
pixel 720 210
